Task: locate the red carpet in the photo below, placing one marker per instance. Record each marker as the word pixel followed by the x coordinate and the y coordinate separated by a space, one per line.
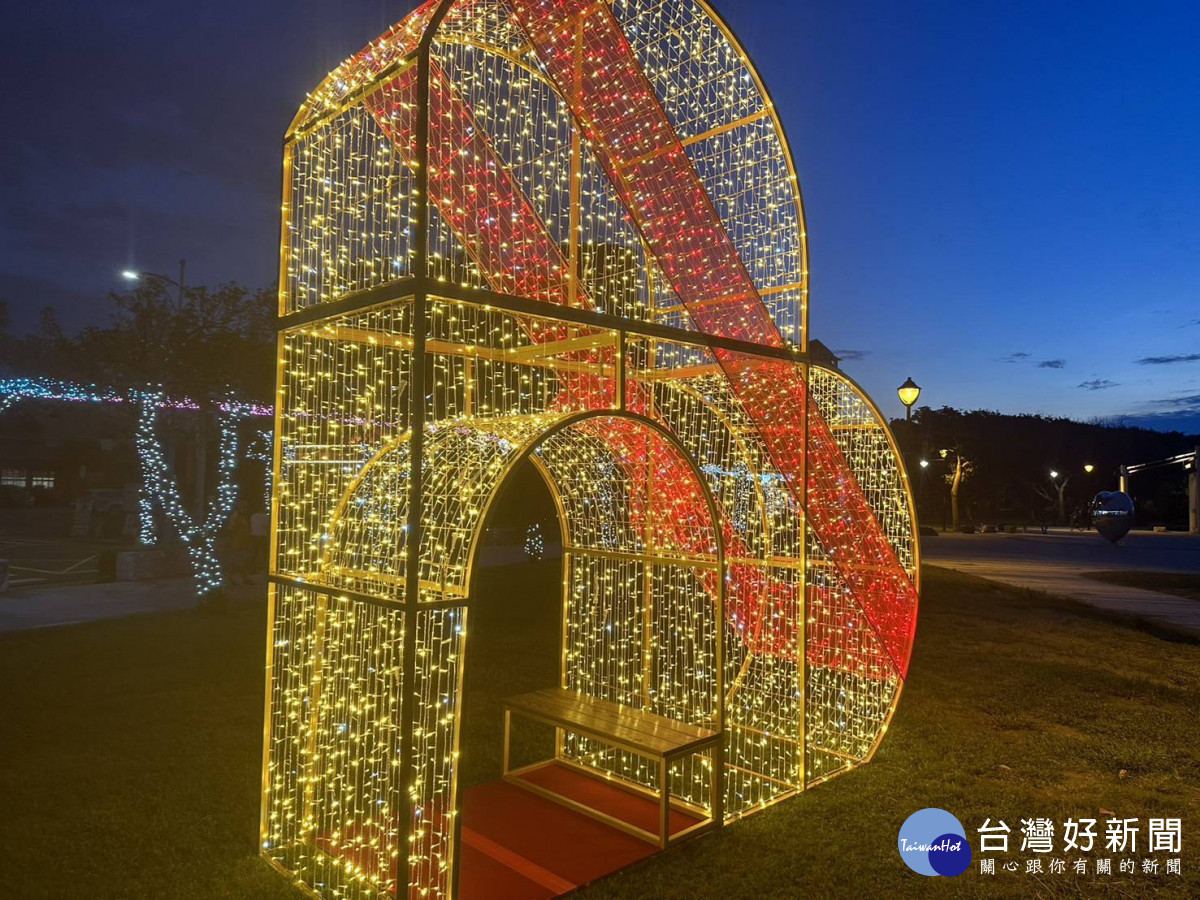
pixel 518 846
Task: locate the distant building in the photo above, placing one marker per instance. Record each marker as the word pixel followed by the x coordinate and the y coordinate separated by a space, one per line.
pixel 66 468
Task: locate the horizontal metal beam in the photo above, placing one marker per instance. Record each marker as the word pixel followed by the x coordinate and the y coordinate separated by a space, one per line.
pixel 454 602
pixel 525 306
pixel 530 356
pixel 301 584
pixel 660 559
pixel 359 301
pixel 406 287
pixel 1181 460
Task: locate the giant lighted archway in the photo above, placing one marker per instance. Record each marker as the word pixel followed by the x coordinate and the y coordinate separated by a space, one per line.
pixel 502 217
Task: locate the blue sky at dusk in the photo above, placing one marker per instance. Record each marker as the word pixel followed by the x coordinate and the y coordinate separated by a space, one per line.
pixel 1003 198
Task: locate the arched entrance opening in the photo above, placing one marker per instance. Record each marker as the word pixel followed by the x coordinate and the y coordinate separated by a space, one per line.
pixel 516 622
pixel 642 601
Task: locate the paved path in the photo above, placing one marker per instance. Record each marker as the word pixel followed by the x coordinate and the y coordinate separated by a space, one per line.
pixel 1049 563
pixel 1053 563
pixel 54 560
pixel 49 607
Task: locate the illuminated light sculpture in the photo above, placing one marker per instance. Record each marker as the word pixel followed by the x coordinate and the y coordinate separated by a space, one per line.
pixel 158 488
pixel 567 232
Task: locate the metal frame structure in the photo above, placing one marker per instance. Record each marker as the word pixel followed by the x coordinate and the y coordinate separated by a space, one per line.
pixel 1190 460
pixel 570 232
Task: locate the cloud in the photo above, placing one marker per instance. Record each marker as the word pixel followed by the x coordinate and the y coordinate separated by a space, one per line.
pixel 1184 421
pixel 1022 356
pixel 1178 413
pixel 1097 384
pixel 1169 360
pixel 1187 401
pixel 851 354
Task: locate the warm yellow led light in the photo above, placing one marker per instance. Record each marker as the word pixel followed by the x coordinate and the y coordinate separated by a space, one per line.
pixel 692 584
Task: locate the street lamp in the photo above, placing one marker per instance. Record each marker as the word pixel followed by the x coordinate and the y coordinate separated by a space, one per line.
pixel 909 392
pixel 135 275
pixel 1060 488
pixel 955 481
pixel 1089 468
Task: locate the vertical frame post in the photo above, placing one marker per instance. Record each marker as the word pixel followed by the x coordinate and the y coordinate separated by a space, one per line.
pixel 272 589
pixel 575 203
pixel 718 761
pixel 416 423
pixel 802 612
pixel 1194 494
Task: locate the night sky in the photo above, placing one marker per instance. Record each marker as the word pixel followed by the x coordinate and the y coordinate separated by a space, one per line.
pixel 1003 198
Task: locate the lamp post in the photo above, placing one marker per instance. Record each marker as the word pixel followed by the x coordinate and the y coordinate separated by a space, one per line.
pixel 909 392
pixel 921 490
pixel 135 275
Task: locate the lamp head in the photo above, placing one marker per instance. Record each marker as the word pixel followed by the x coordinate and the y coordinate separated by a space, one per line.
pixel 909 392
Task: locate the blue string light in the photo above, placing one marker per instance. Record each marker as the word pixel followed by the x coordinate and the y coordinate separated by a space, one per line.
pixel 158 489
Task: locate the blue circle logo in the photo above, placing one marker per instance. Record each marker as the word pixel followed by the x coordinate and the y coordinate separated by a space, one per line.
pixel 933 842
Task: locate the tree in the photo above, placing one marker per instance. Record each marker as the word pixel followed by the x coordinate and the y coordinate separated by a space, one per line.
pixel 956 481
pixel 1007 461
pixel 218 339
pixel 215 341
pixel 1059 497
pixel 214 346
pixel 941 438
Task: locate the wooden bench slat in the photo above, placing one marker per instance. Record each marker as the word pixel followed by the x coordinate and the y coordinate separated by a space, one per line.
pixel 647 732
pixel 591 709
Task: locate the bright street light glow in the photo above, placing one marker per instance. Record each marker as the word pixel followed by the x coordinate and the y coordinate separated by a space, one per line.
pixel 1088 468
pixel 924 464
pixel 1053 474
pixel 130 275
pixel 909 392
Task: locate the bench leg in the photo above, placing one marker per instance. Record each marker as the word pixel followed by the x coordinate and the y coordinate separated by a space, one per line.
pixel 664 816
pixel 504 766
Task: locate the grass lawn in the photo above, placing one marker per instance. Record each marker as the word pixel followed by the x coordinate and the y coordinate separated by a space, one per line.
pixel 1179 584
pixel 130 755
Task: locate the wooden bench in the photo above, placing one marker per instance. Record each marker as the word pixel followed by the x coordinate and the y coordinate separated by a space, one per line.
pixel 626 728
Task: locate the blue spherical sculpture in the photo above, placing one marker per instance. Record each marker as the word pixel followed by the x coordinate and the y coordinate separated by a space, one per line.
pixel 1112 514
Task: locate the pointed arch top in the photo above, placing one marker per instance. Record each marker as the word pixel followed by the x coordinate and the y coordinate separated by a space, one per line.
pixel 762 208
